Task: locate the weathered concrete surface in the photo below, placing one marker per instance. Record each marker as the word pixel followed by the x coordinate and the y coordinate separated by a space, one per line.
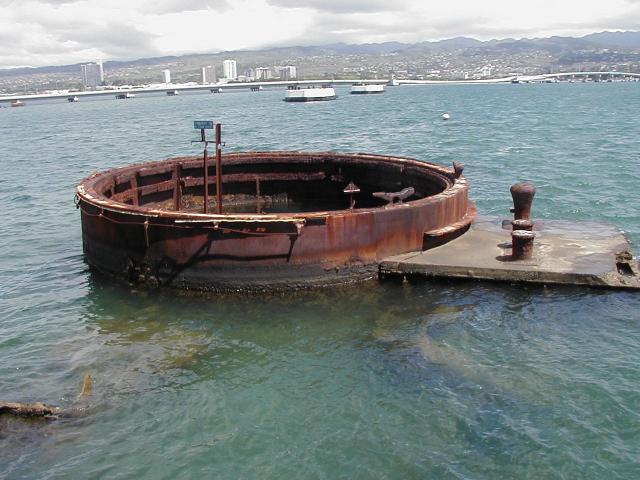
pixel 569 253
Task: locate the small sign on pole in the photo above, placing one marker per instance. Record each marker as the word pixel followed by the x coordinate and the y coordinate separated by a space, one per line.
pixel 203 124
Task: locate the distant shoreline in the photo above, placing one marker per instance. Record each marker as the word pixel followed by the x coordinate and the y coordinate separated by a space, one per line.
pixel 577 77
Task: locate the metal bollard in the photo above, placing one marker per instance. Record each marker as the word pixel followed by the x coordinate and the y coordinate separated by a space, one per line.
pixel 522 244
pixel 522 194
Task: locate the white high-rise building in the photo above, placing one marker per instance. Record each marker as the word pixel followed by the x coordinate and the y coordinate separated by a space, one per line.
pixel 166 76
pixel 263 73
pixel 208 75
pixel 101 68
pixel 92 75
pixel 230 69
pixel 287 73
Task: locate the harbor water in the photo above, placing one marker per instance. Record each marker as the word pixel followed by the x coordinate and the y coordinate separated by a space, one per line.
pixel 432 380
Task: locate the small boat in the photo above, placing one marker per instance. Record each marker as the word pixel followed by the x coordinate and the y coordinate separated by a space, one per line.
pixel 18 103
pixel 216 90
pixel 73 99
pixel 173 93
pixel 256 89
pixel 310 94
pixel 124 96
pixel 359 88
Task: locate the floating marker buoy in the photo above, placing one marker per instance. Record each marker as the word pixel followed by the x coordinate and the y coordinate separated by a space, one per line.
pixel 446 116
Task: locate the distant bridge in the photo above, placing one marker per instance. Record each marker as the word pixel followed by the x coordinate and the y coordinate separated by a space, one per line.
pixel 213 87
pixel 524 78
pixel 162 88
pixel 572 75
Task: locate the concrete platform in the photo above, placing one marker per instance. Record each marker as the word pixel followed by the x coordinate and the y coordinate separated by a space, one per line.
pixel 565 253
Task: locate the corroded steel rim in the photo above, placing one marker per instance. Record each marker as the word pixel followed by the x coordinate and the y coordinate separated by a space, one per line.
pixel 139 223
pixel 87 192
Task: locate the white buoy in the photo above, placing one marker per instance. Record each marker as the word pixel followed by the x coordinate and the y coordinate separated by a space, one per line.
pixel 446 116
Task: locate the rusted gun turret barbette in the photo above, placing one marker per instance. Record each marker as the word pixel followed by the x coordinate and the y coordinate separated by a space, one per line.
pixel 272 220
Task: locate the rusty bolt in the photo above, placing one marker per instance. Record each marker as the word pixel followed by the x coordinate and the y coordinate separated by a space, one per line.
pixel 522 244
pixel 522 194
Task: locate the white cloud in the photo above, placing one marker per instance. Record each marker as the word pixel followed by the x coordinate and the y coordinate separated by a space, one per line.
pixel 341 6
pixel 43 32
pixel 180 6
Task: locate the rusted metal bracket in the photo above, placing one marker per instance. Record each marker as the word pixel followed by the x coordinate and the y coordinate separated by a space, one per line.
pixel 458 168
pixel 395 197
pixel 351 190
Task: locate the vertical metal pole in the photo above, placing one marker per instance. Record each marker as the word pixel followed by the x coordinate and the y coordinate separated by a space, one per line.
pixel 177 187
pixel 206 172
pixel 219 166
pixel 257 195
pixel 135 186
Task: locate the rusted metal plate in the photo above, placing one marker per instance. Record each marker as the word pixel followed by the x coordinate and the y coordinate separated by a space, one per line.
pixel 129 232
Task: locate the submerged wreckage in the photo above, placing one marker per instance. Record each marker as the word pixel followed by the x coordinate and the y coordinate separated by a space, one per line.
pixel 285 220
pixel 268 219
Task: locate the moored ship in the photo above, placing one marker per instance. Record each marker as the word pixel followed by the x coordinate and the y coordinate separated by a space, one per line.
pixel 361 88
pixel 310 94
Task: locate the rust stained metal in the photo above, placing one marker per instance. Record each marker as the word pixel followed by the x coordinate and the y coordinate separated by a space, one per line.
pixel 522 194
pixel 395 197
pixel 218 167
pixel 351 189
pixel 128 231
pixel 522 235
pixel 522 244
pixel 522 225
pixel 205 177
pixel 133 193
pixel 458 168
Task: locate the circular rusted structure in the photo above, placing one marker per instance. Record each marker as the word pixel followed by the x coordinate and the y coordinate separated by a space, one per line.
pixel 290 219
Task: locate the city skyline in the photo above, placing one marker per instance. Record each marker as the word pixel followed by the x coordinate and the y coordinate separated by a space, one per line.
pixel 51 32
pixel 451 59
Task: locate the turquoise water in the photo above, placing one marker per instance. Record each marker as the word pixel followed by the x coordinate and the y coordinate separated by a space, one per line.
pixel 437 380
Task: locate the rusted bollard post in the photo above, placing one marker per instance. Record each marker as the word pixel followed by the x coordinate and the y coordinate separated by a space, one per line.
pixel 522 244
pixel 522 194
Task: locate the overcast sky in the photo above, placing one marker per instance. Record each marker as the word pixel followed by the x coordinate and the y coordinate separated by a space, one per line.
pixel 52 32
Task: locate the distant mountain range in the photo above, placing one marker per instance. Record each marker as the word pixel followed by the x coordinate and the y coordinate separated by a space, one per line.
pixel 628 41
